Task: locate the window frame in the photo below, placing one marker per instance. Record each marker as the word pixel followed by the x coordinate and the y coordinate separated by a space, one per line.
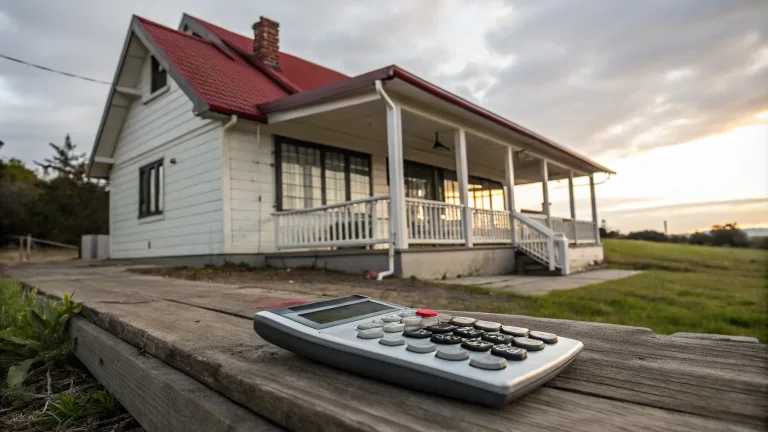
pixel 154 66
pixel 440 175
pixel 144 189
pixel 323 149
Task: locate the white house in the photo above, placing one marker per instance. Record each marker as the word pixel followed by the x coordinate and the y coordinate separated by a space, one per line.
pixel 219 148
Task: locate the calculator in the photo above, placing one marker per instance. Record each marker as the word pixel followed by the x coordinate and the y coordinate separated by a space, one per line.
pixel 482 362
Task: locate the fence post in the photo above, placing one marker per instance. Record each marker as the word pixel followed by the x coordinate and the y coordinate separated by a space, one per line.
pixel 29 245
pixel 551 251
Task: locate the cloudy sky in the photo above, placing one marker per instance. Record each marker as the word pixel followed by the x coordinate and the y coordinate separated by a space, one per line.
pixel 672 94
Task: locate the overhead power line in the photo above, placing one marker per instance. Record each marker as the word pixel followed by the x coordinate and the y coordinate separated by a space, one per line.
pixel 47 69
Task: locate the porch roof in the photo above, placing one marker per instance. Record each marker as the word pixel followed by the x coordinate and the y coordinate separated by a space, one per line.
pixel 396 74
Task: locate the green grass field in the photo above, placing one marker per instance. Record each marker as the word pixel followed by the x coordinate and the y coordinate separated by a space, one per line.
pixel 683 288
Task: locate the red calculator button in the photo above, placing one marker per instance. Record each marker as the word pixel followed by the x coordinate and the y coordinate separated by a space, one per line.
pixel 426 313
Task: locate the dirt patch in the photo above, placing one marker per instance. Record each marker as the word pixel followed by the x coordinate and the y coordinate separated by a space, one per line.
pixel 407 292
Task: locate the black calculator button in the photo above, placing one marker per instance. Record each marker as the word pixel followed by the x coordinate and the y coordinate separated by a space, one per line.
pixel 489 362
pixel 515 331
pixel 497 338
pixel 509 352
pixel 487 326
pixel 529 344
pixel 468 332
pixel 418 334
pixel 476 345
pixel 441 328
pixel 421 346
pixel 446 339
pixel 545 337
pixel 452 353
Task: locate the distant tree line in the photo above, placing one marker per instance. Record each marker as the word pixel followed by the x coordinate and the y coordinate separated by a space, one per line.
pixel 718 235
pixel 56 202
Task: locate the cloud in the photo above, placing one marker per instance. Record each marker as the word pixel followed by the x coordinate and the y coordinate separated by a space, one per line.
pixel 614 77
pixel 605 77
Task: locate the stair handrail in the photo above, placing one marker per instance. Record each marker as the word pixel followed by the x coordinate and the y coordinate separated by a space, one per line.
pixel 552 238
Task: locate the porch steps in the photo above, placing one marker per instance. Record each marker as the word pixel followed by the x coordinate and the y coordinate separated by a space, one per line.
pixel 525 264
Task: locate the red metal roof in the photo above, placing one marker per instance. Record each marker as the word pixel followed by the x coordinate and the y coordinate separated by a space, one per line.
pixel 303 74
pixel 229 84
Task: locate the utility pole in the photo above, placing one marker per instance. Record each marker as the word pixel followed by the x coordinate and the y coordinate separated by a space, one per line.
pixel 665 228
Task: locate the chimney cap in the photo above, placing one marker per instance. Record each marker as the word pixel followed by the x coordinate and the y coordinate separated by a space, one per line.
pixel 264 20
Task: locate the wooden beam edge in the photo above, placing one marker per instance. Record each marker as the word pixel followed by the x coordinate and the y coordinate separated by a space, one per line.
pixel 160 397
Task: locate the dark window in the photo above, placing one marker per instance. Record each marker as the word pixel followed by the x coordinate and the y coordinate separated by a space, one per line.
pixel 311 175
pixel 158 76
pixel 438 184
pixel 151 189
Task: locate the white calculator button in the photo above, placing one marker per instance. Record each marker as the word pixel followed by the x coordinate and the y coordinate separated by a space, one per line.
pixel 392 340
pixel 529 344
pixel 369 325
pixel 412 321
pixel 394 328
pixel 462 321
pixel 430 321
pixel 421 346
pixel 488 326
pixel 488 361
pixel 515 331
pixel 407 313
pixel 453 353
pixel 391 318
pixel 545 337
pixel 373 333
pixel 378 321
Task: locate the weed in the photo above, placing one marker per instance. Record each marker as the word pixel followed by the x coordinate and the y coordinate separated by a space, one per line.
pixel 68 408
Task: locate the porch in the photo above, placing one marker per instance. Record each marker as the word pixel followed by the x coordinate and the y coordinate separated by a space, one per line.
pixel 455 181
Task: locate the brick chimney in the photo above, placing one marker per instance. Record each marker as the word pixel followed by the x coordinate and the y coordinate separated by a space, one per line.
pixel 266 41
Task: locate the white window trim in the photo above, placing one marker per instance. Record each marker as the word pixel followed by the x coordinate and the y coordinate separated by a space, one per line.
pixel 152 219
pixel 149 97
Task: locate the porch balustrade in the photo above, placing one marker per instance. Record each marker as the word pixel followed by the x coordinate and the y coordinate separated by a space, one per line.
pixel 433 222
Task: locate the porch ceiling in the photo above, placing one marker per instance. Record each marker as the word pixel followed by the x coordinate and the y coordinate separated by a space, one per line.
pixel 367 121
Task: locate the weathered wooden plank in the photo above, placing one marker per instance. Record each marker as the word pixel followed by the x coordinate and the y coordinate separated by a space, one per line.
pixel 627 377
pixel 160 397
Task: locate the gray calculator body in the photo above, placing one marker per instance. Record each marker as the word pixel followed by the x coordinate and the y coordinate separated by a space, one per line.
pixel 327 332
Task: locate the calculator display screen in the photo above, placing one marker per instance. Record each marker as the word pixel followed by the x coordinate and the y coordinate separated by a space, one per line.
pixel 344 312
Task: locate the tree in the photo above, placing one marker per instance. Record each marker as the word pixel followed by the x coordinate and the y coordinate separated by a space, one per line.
pixel 729 235
pixel 65 161
pixel 62 206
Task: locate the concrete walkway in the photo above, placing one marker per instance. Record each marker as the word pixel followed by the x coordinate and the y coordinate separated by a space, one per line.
pixel 540 285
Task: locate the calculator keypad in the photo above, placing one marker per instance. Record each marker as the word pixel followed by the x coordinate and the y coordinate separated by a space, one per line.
pixel 454 338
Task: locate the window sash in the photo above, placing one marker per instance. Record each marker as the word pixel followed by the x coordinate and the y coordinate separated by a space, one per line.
pixel 329 175
pixel 151 189
pixel 158 77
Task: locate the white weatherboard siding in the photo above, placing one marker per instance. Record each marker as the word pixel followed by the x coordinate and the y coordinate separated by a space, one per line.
pixel 192 219
pixel 252 177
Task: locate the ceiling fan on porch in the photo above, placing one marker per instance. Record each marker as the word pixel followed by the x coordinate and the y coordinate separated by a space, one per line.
pixel 438 145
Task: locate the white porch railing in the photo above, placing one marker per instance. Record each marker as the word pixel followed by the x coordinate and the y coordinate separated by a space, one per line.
pixel 354 223
pixel 433 222
pixel 491 226
pixel 576 231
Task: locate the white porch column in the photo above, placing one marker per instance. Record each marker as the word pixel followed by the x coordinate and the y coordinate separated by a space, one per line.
pixel 545 192
pixel 397 222
pixel 594 208
pixel 509 182
pixel 575 233
pixel 462 174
